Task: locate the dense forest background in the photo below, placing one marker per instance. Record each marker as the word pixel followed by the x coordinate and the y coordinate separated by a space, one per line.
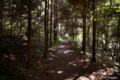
pixel 31 29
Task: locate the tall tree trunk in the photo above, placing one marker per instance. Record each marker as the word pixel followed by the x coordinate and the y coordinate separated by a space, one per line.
pixel 1 14
pixel 9 52
pixel 39 20
pixel 51 24
pixel 94 32
pixel 55 21
pixel 12 9
pixel 72 29
pixel 21 28
pixel 29 35
pixel 88 38
pixel 84 34
pixel 48 19
pixel 12 21
pixel 73 34
pixel 106 39
pixel 118 32
pixel 98 35
pixel 46 30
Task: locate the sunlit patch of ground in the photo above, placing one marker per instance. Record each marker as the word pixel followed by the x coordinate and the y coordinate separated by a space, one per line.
pixel 74 67
pixel 64 63
pixel 69 67
pixel 11 56
pixel 83 78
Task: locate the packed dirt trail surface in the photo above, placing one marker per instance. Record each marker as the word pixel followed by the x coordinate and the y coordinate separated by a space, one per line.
pixel 67 64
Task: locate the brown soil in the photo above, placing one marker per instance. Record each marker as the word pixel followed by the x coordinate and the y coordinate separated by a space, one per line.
pixel 64 63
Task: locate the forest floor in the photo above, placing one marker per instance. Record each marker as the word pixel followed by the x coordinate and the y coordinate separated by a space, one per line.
pixel 64 63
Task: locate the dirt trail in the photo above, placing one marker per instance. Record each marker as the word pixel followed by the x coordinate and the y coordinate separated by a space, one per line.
pixel 67 64
pixel 64 63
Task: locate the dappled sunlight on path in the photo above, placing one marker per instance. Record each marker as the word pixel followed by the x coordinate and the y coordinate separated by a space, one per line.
pixel 67 64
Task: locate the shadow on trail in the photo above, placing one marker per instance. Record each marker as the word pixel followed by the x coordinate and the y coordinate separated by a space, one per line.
pixel 67 64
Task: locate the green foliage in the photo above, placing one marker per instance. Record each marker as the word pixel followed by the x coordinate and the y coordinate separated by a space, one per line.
pixel 77 46
pixel 55 45
pixel 115 64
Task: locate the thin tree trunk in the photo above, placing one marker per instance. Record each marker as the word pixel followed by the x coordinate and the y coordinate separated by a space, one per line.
pixel 12 22
pixel 55 21
pixel 46 38
pixel 84 34
pixel 8 62
pixel 73 30
pixel 39 29
pixel 48 18
pixel 106 40
pixel 88 35
pixel 119 33
pixel 88 38
pixel 98 39
pixel 21 28
pixel 51 25
pixel 29 35
pixel 9 42
pixel 1 14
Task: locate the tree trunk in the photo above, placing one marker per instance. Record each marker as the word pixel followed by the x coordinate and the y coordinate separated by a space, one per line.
pixel 84 34
pixel 46 29
pixel 98 34
pixel 55 21
pixel 88 38
pixel 40 21
pixel 10 36
pixel 12 21
pixel 94 32
pixel 118 32
pixel 1 14
pixel 21 28
pixel 29 35
pixel 48 19
pixel 51 25
pixel 73 34
pixel 106 40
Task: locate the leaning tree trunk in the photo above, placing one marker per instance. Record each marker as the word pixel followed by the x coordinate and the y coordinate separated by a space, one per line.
pixel 29 35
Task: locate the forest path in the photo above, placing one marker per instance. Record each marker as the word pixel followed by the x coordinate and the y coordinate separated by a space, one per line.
pixel 67 64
